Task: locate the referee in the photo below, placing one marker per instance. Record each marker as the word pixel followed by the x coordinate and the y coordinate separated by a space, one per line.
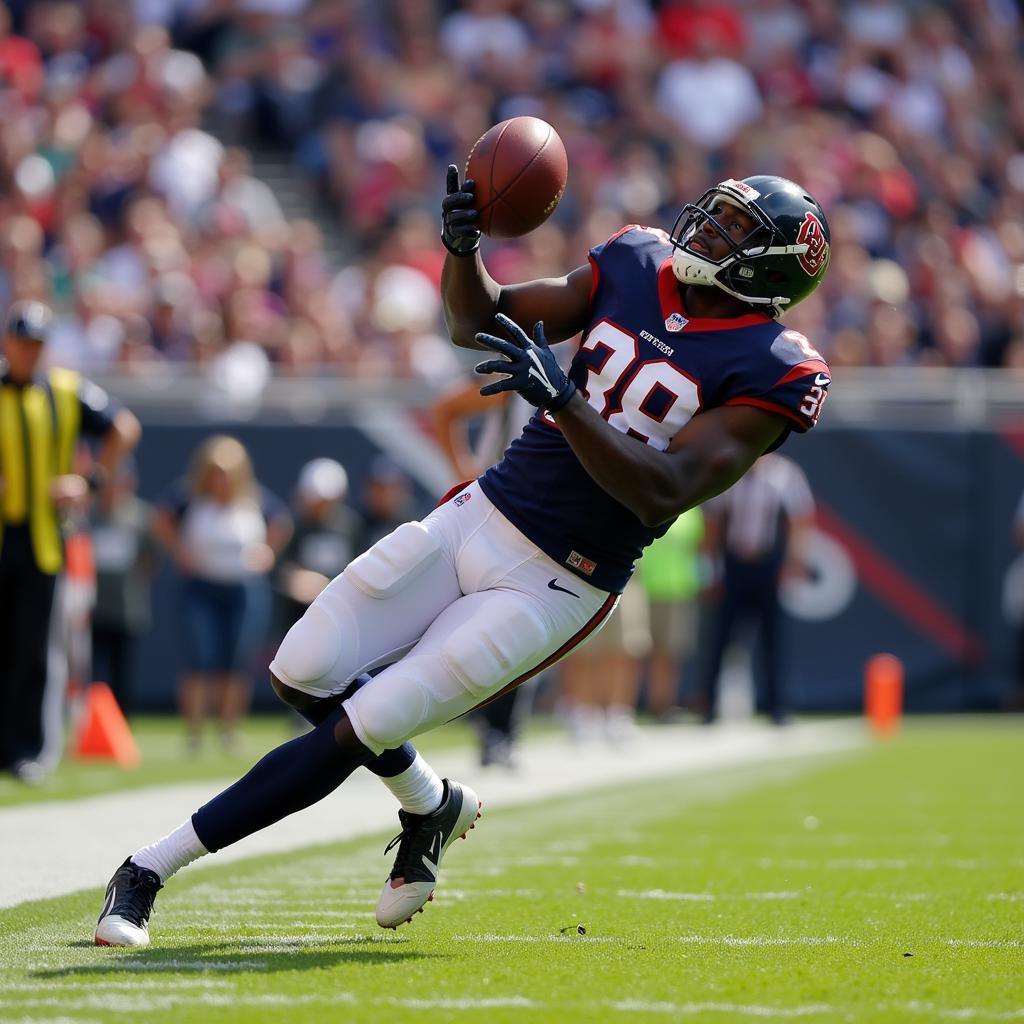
pixel 757 530
pixel 42 416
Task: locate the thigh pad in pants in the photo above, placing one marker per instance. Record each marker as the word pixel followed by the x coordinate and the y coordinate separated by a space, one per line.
pixel 394 561
pixel 477 645
pixel 503 639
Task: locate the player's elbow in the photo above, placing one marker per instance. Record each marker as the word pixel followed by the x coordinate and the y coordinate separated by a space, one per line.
pixel 462 339
pixel 463 335
pixel 689 482
pixel 653 514
pixel 660 503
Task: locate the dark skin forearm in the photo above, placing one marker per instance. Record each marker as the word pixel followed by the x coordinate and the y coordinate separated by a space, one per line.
pixel 708 455
pixel 470 297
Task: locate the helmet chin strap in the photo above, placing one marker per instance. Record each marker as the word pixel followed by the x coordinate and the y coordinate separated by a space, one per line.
pixel 690 269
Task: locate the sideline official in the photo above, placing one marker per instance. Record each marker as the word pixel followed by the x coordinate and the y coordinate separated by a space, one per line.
pixel 758 531
pixel 42 415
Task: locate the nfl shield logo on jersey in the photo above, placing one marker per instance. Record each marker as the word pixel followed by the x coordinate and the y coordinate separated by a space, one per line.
pixel 675 322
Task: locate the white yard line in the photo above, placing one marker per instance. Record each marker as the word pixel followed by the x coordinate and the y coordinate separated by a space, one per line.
pixel 54 848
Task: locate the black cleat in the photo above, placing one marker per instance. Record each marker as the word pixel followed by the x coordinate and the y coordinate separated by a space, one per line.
pixel 124 919
pixel 421 845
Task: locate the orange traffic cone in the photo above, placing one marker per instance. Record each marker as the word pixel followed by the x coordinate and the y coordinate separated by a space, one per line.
pixel 104 732
pixel 883 693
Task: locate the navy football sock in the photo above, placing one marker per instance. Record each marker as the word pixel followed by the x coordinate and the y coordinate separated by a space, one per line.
pixel 387 764
pixel 390 763
pixel 291 777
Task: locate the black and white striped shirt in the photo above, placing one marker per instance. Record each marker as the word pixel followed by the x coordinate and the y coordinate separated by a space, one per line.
pixel 755 509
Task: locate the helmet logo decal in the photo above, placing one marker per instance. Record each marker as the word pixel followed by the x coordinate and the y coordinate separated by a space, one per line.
pixel 748 192
pixel 812 235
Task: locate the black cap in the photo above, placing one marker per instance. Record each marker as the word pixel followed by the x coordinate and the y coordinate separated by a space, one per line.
pixel 29 320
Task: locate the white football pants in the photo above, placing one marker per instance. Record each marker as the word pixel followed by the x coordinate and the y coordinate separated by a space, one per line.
pixel 460 606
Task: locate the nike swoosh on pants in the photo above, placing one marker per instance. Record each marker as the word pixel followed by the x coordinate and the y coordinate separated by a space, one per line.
pixel 552 585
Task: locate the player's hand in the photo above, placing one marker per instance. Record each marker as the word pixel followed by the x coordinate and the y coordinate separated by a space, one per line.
pixel 69 490
pixel 459 233
pixel 529 365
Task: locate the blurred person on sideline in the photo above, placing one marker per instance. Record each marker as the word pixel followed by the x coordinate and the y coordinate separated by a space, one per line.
pixel 601 682
pixel 224 533
pixel 41 419
pixel 387 500
pixel 503 418
pixel 670 576
pixel 325 539
pixel 756 532
pixel 1016 698
pixel 125 555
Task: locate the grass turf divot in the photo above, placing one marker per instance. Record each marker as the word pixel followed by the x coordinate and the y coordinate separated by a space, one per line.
pixel 815 882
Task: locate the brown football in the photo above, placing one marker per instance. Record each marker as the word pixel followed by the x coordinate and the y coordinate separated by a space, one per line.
pixel 520 169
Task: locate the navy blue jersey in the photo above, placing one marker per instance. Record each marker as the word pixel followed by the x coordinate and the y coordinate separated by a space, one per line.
pixel 647 368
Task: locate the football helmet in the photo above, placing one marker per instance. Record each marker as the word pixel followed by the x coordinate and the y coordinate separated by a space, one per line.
pixel 779 263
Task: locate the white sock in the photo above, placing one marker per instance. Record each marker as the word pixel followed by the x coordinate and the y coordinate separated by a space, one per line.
pixel 418 789
pixel 172 853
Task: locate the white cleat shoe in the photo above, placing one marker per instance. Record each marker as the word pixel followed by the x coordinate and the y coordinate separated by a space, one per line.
pixel 124 919
pixel 421 845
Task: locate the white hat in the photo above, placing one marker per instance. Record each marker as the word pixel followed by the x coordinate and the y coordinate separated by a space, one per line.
pixel 322 479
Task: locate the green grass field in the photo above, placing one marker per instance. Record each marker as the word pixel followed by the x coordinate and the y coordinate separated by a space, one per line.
pixel 881 885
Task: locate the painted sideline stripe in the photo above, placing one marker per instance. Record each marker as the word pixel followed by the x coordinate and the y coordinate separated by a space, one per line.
pixel 120 1003
pixel 770 940
pixel 61 847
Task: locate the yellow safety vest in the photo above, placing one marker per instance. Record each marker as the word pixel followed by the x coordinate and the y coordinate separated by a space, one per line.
pixel 39 424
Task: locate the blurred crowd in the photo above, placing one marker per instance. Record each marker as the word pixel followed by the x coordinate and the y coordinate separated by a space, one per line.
pixel 132 205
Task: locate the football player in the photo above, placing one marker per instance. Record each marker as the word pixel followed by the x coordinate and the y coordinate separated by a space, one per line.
pixel 684 376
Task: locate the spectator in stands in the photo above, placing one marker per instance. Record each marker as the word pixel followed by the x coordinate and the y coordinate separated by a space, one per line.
pixel 907 120
pixel 756 532
pixel 224 532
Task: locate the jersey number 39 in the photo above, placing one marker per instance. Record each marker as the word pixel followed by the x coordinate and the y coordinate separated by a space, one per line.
pixel 649 399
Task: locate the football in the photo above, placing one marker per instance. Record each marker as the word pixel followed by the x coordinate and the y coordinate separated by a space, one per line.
pixel 520 170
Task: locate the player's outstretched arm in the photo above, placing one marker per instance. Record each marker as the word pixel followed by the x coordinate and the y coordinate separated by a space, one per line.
pixel 709 454
pixel 471 297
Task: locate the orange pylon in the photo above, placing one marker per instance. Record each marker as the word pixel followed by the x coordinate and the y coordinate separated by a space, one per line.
pixel 104 732
pixel 883 693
